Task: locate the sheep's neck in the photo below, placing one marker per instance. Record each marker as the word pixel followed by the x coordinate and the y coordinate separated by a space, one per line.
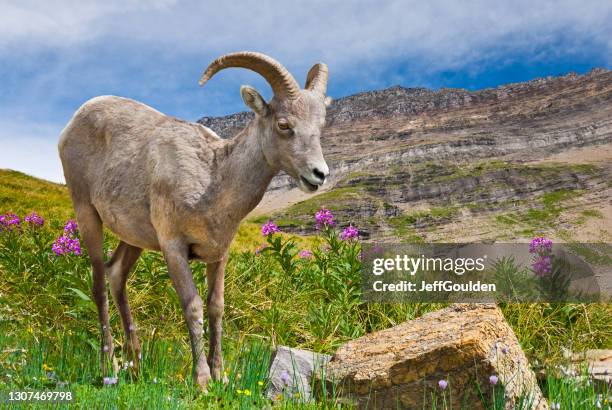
pixel 244 172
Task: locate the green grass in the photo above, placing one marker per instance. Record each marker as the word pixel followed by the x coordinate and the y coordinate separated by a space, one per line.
pixel 542 215
pixel 271 298
pixel 330 200
pixel 592 213
pixel 163 382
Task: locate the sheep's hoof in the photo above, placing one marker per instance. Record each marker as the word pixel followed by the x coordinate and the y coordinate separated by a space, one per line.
pixel 133 358
pixel 107 358
pixel 202 381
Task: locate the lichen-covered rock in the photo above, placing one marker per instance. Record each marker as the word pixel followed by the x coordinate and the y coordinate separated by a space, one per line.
pixel 464 345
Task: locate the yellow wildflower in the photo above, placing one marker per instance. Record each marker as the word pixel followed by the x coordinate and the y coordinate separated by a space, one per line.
pixel 247 392
pixel 260 383
pixel 46 367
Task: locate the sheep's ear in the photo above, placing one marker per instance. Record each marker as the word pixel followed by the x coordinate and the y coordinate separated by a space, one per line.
pixel 328 101
pixel 253 100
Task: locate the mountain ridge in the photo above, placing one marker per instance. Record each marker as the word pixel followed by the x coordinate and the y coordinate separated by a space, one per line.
pixel 400 100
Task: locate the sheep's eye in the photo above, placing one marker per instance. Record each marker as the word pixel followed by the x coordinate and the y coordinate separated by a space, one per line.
pixel 283 125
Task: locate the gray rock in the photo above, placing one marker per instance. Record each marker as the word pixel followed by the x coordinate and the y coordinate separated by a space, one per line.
pixel 291 372
pixel 598 362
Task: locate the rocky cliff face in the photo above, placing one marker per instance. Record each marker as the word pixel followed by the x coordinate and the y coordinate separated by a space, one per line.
pixel 396 150
pixel 400 101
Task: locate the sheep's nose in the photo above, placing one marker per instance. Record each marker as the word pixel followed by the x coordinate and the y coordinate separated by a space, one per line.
pixel 319 174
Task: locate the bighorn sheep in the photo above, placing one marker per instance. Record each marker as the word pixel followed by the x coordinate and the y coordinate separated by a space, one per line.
pixel 165 184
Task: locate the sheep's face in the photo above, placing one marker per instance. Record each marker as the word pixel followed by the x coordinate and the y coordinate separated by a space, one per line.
pixel 291 137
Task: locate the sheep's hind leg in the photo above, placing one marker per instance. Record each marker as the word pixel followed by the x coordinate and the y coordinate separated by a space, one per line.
pixel 215 273
pixel 176 255
pixel 118 269
pixel 90 228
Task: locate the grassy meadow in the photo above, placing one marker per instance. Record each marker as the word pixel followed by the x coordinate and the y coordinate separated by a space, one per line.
pixel 275 293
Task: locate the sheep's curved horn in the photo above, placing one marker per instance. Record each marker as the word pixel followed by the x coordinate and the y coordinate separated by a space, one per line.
pixel 282 82
pixel 316 80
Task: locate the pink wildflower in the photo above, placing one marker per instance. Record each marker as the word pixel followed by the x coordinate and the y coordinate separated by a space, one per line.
pixel 305 254
pixel 350 232
pixel 68 243
pixel 542 265
pixel 71 227
pixel 540 246
pixel 323 218
pixel 9 221
pixel 269 228
pixel 35 219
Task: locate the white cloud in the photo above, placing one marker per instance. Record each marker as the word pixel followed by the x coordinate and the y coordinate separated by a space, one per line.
pixel 31 149
pixel 65 23
pixel 445 33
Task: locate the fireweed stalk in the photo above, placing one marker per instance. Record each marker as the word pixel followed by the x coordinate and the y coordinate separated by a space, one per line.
pixel 68 243
pixel 554 280
pixel 33 219
pixel 331 263
pixel 541 249
pixel 10 222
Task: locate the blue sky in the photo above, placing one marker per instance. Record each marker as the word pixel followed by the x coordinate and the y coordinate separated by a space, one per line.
pixel 53 57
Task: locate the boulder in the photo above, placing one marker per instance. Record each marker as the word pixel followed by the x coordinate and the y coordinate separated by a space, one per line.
pixel 598 364
pixel 292 370
pixel 445 356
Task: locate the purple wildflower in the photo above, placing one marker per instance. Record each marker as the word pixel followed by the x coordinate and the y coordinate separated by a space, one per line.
pixel 540 246
pixel 269 228
pixel 541 249
pixel 110 380
pixel 71 227
pixel 324 218
pixel 350 232
pixel 35 219
pixel 493 379
pixel 542 265
pixel 305 254
pixel 58 246
pixel 68 243
pixel 442 384
pixel 9 221
pixel 505 350
pixel 75 246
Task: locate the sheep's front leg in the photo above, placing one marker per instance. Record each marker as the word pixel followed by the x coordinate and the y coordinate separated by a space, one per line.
pixel 176 256
pixel 215 273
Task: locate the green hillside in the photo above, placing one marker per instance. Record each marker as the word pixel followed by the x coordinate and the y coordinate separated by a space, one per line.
pixel 21 193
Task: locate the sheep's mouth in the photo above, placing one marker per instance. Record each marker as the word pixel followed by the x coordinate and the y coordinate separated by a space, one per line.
pixel 309 186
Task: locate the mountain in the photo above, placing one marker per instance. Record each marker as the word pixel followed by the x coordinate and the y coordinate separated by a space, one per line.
pixel 503 163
